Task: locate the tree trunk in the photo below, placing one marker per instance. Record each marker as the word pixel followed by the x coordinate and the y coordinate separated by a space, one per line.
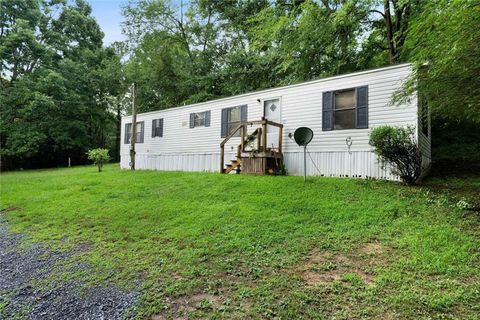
pixel 117 134
pixel 392 53
pixel 133 137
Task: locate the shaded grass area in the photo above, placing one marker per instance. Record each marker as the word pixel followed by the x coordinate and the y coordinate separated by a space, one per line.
pixel 236 246
pixel 461 187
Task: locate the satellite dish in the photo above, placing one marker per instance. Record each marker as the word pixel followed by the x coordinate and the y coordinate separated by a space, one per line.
pixel 303 136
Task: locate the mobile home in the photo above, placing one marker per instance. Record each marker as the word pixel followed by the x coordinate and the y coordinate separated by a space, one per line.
pixel 224 134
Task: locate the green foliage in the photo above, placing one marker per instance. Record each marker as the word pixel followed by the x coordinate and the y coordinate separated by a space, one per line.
pixel 99 157
pixel 179 239
pixel 223 48
pixel 54 83
pixel 208 49
pixel 310 40
pixel 443 44
pixel 455 141
pixel 397 147
pixel 172 57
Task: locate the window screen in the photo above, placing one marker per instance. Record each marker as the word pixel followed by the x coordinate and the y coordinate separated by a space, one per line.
pixel 344 109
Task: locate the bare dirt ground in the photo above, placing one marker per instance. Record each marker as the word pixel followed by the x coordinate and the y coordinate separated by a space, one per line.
pixel 325 267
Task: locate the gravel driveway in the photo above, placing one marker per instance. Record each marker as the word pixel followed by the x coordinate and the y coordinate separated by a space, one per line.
pixel 21 266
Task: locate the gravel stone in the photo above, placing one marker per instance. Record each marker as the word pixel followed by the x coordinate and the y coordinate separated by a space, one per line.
pixel 21 266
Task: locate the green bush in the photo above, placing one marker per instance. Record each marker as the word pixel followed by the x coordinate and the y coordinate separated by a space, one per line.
pixel 397 147
pixel 99 157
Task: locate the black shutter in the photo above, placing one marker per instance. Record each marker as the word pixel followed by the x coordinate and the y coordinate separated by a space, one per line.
pixel 160 127
pixel 127 133
pixel 154 126
pixel 141 132
pixel 224 128
pixel 243 113
pixel 361 107
pixel 327 111
pixel 207 118
pixel 192 120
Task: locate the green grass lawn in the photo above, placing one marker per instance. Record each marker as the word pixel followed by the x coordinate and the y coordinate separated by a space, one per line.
pixel 236 246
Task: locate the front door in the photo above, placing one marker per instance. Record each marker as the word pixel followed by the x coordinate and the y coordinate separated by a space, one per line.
pixel 272 111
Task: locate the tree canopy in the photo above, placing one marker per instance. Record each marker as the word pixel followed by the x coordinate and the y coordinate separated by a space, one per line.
pixel 444 45
pixel 53 82
pixel 205 48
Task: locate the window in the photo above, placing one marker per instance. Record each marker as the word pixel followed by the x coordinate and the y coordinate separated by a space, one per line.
pixel 231 118
pixel 128 132
pixel 200 119
pixel 344 110
pixel 157 128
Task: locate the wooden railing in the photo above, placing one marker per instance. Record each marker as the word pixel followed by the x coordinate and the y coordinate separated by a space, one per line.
pixel 260 132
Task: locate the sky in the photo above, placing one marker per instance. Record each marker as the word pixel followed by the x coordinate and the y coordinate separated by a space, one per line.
pixel 109 16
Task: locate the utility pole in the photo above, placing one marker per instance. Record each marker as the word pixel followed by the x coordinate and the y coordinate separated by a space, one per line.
pixel 133 137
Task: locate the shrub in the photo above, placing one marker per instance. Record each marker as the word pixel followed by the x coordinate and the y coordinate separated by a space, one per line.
pixel 99 157
pixel 397 147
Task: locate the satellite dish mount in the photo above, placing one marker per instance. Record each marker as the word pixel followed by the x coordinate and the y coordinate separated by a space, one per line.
pixel 303 136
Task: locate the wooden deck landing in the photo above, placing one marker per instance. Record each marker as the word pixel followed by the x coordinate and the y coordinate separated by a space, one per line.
pixel 253 155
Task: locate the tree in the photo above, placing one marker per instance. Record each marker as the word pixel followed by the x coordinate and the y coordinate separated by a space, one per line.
pixel 99 157
pixel 444 48
pixel 113 89
pixel 396 15
pixel 191 53
pixel 310 39
pixel 52 95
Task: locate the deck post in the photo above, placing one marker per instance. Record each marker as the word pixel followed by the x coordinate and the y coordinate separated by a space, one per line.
pixel 259 138
pixel 264 133
pixel 222 158
pixel 242 137
pixel 280 139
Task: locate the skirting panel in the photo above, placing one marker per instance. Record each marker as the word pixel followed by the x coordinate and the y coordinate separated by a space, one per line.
pixel 359 164
pixel 177 162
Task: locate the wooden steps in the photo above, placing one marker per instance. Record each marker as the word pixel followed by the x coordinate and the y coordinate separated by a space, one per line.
pixel 253 154
pixel 235 164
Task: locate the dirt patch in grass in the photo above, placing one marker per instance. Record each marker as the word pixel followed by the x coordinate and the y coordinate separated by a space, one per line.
pixel 8 210
pixel 323 267
pixel 177 276
pixel 181 307
pixel 372 248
